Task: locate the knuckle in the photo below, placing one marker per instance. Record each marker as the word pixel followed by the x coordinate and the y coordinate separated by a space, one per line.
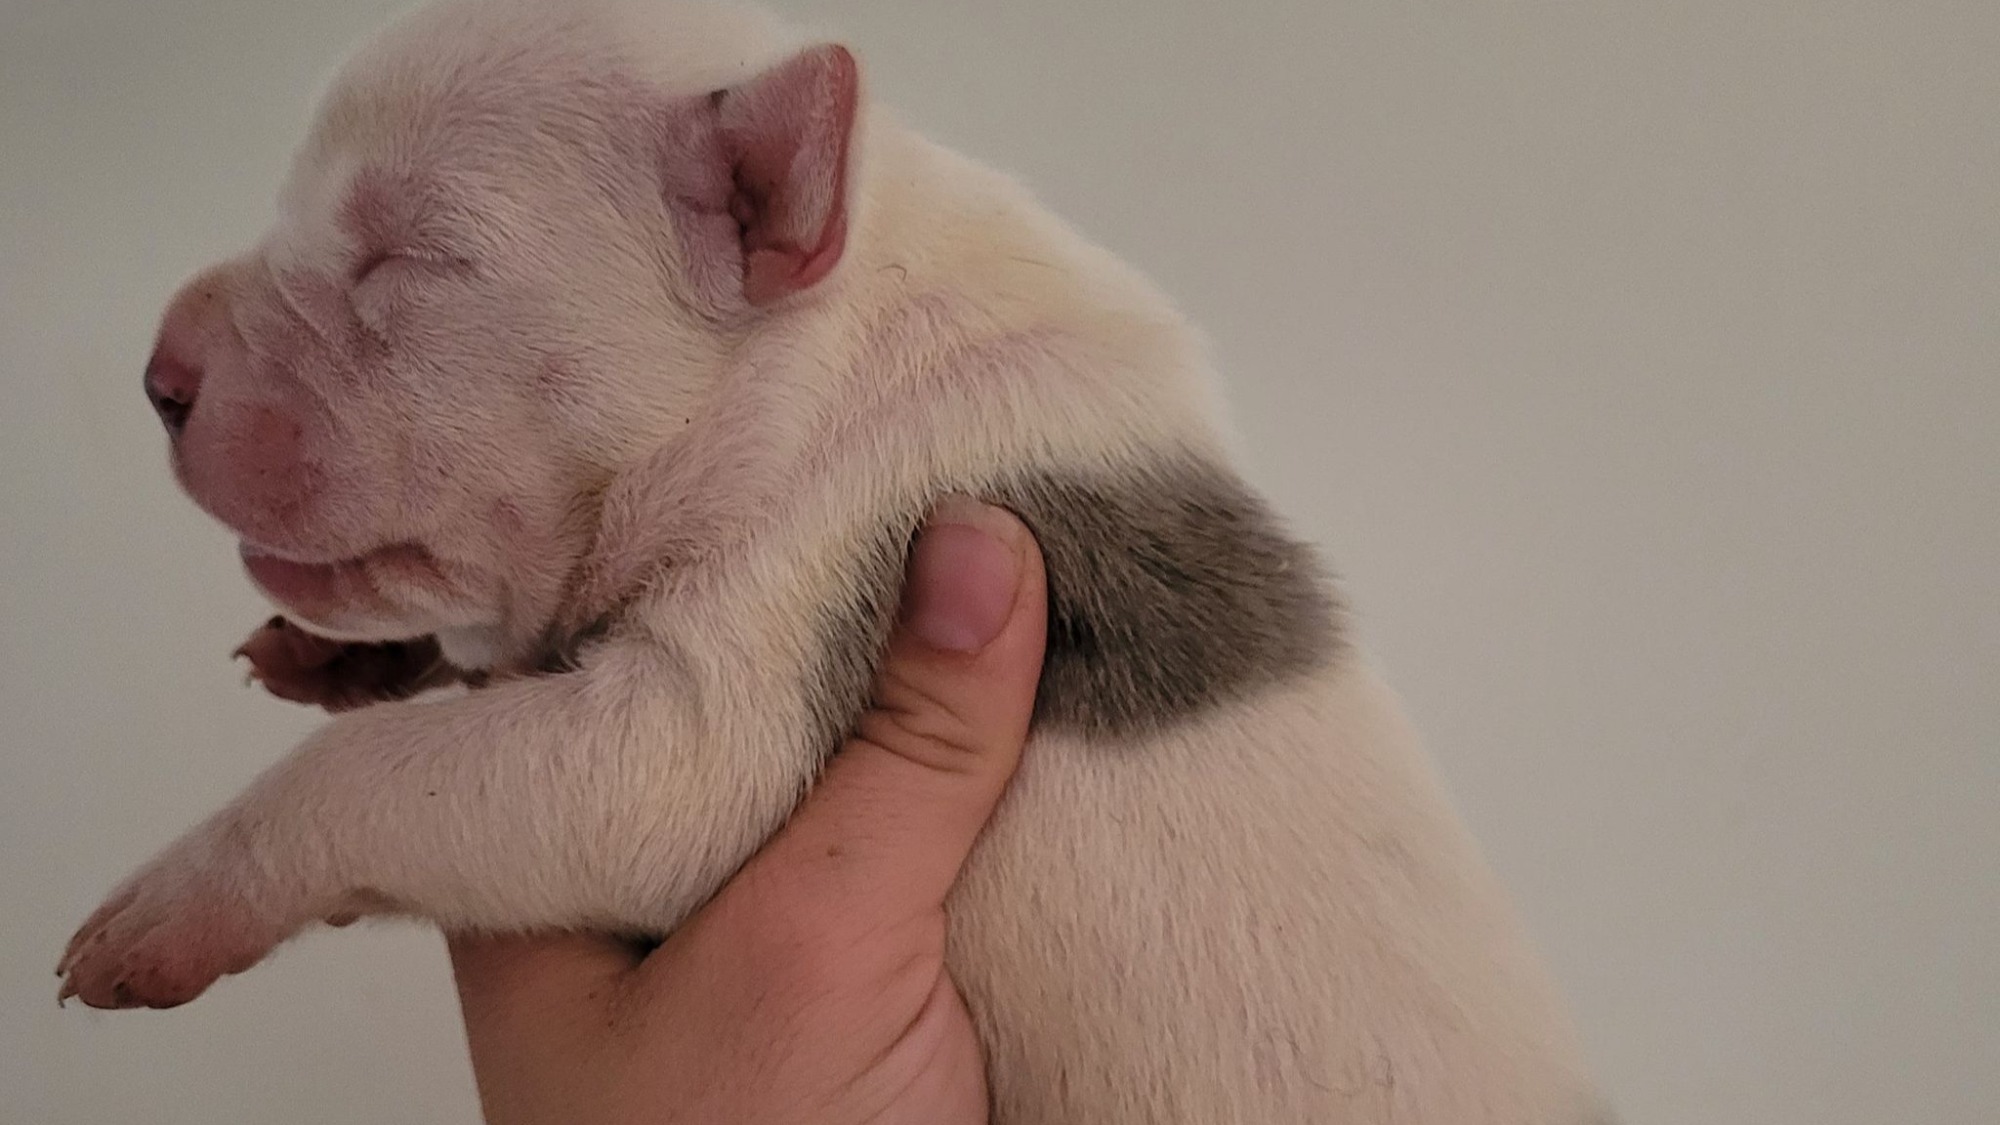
pixel 923 733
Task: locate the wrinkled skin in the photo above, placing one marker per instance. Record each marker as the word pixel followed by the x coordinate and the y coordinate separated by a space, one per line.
pixel 408 398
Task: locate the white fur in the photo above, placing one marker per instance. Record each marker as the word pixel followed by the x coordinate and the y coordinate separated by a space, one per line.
pixel 966 330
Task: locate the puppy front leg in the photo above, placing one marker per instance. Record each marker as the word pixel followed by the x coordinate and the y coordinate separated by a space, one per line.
pixel 593 799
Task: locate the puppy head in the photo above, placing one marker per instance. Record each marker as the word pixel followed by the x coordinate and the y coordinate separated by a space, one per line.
pixel 515 252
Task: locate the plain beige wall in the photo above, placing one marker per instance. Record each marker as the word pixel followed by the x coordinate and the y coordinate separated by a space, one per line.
pixel 1639 369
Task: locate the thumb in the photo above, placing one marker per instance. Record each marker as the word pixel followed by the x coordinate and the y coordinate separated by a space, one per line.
pixel 899 806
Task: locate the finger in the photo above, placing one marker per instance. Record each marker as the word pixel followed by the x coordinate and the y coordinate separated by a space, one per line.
pixel 520 982
pixel 900 805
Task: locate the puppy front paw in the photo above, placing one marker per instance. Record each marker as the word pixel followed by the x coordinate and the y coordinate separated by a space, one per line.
pixel 186 920
pixel 339 675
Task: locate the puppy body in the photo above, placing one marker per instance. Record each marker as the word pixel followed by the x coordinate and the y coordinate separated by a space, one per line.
pixel 1224 885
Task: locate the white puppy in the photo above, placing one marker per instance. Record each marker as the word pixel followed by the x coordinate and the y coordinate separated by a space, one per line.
pixel 612 351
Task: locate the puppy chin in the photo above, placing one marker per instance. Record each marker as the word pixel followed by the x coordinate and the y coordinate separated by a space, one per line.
pixel 342 599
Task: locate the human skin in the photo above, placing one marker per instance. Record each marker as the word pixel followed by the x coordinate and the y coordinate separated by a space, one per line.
pixel 812 987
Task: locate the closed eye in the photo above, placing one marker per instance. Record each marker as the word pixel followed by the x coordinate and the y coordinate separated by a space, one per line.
pixel 373 262
pixel 378 260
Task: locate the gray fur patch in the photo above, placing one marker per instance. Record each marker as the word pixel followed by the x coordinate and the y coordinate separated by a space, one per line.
pixel 1172 589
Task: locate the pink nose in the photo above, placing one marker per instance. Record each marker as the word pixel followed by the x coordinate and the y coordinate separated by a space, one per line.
pixel 172 387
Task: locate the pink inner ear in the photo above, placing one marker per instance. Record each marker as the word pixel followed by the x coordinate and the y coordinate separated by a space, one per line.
pixel 786 136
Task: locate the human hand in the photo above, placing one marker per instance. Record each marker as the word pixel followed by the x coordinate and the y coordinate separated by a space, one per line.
pixel 812 988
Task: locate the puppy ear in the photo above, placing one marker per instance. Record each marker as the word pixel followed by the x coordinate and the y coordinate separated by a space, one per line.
pixel 758 172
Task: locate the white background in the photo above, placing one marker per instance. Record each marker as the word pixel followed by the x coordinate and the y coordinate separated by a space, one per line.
pixel 1639 369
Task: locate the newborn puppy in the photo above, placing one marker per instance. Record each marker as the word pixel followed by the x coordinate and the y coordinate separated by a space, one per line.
pixel 610 351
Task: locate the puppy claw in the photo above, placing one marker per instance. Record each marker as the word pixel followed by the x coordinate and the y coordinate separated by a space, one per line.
pixel 173 931
pixel 298 666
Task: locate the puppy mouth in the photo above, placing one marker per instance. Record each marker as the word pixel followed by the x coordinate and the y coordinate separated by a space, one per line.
pixel 331 588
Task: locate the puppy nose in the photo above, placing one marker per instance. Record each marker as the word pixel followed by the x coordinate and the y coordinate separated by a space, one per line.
pixel 172 386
